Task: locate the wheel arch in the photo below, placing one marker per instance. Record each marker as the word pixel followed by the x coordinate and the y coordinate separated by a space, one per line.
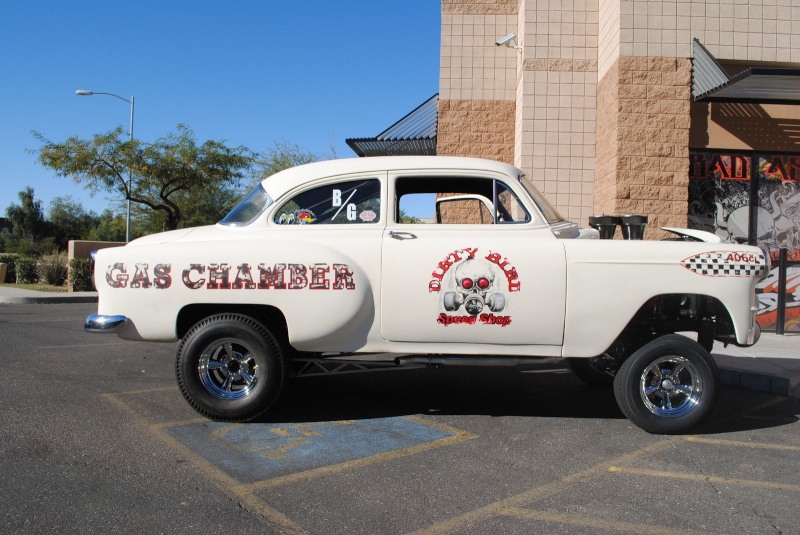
pixel 271 317
pixel 673 313
pixel 676 312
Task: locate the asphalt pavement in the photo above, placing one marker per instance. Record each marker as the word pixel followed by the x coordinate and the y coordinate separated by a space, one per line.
pixel 771 366
pixel 96 438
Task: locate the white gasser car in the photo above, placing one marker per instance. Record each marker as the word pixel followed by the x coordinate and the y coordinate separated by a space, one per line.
pixel 321 261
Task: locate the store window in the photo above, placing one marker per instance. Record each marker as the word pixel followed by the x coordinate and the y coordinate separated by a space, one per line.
pixel 721 199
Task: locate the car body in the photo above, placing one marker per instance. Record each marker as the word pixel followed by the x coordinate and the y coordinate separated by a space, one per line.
pixel 322 258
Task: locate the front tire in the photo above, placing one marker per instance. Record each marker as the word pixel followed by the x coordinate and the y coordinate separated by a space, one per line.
pixel 668 385
pixel 230 368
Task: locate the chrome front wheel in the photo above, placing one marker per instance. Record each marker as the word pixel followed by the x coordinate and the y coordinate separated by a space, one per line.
pixel 668 385
pixel 671 387
pixel 229 367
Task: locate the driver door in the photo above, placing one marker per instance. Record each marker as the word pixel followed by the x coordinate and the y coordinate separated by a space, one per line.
pixel 469 278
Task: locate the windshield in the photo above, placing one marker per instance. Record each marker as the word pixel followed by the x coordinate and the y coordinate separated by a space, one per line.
pixel 248 209
pixel 548 210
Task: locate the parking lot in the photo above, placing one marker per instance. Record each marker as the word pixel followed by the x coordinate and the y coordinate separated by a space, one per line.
pixel 96 438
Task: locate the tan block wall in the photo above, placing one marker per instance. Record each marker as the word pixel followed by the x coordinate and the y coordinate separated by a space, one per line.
pixel 558 132
pixel 605 187
pixel 556 102
pixel 480 7
pixel 477 128
pixel 752 30
pixel 647 172
pixel 471 66
pixel 608 34
pixel 471 212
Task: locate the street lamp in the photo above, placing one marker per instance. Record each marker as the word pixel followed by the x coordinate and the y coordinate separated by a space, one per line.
pixel 86 93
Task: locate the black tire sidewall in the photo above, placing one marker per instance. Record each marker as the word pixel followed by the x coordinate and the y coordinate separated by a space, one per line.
pixel 626 384
pixel 265 350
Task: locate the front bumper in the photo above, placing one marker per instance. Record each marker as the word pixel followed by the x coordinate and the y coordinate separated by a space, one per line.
pixel 101 323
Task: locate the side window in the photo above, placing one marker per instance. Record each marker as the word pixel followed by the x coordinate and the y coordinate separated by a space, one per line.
pixel 457 200
pixel 345 203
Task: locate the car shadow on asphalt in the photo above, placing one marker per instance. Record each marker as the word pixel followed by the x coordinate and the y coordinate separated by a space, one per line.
pixel 496 392
pixel 486 391
pixel 739 410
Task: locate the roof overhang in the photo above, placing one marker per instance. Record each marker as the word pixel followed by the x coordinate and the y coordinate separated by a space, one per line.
pixel 711 83
pixel 415 134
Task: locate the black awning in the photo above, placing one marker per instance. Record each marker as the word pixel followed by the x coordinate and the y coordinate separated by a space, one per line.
pixel 710 82
pixel 415 134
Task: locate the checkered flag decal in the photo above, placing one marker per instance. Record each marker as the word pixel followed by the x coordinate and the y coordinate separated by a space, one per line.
pixel 726 264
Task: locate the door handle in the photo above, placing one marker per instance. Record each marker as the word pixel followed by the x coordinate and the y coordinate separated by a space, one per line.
pixel 402 235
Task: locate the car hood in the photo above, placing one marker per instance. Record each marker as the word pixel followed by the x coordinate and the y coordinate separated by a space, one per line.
pixel 172 236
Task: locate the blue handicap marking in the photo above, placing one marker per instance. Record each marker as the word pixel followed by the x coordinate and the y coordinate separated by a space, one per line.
pixel 254 452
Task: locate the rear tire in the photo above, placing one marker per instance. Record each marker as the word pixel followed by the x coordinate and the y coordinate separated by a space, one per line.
pixel 668 385
pixel 230 368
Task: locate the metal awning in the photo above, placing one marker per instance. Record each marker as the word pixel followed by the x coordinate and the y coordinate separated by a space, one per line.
pixel 710 82
pixel 414 134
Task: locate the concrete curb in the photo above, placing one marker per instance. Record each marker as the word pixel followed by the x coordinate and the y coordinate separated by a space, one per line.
pixel 14 296
pixel 761 376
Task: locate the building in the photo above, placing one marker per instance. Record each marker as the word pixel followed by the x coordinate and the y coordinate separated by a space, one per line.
pixel 665 108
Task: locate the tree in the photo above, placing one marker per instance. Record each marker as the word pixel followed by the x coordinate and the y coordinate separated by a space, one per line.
pixel 109 227
pixel 27 218
pixel 282 156
pixel 164 173
pixel 409 219
pixel 69 220
pixel 30 232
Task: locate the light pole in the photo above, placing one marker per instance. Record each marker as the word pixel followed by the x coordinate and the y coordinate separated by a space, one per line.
pixel 86 93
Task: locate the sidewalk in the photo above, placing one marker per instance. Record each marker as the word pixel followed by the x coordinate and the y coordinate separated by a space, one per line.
pixel 16 296
pixel 772 365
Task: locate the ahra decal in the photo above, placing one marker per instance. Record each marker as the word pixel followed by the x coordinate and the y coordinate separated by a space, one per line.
pixel 726 264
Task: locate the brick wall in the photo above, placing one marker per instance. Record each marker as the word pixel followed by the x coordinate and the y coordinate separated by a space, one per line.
pixel 477 128
pixel 471 212
pixel 643 141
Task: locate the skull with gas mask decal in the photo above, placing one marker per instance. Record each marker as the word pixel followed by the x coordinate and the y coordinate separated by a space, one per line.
pixel 474 289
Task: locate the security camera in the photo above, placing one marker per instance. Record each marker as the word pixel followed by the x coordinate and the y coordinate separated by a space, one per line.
pixel 505 41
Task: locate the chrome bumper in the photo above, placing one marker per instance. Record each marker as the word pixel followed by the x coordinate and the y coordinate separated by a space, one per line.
pixel 99 323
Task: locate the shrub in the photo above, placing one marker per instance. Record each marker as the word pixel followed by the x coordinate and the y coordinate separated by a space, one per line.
pixel 52 269
pixel 79 275
pixel 26 270
pixel 10 260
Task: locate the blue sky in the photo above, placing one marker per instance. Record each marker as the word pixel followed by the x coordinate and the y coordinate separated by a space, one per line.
pixel 253 73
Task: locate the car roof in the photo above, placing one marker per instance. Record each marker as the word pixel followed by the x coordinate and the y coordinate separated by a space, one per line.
pixel 282 181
